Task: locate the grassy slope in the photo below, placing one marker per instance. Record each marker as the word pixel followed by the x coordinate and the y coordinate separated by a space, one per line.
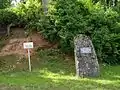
pixel 51 71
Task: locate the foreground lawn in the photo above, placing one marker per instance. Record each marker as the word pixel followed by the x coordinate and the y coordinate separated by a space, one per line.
pixel 52 71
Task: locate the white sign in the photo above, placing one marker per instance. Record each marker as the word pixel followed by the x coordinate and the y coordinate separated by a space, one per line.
pixel 85 50
pixel 28 45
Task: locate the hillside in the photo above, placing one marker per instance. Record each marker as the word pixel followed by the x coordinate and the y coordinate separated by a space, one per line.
pixel 14 43
pixel 51 69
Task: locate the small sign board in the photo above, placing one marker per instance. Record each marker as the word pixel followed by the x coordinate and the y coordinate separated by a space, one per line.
pixel 28 45
pixel 85 50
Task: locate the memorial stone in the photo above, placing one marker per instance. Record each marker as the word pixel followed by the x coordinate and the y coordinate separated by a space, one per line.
pixel 85 57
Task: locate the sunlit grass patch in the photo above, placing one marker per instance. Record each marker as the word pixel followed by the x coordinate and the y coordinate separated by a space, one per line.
pixel 56 72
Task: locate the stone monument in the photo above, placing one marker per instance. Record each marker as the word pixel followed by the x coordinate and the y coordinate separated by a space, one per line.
pixel 85 57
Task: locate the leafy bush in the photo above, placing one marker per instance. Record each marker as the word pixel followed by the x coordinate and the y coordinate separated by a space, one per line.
pixel 5 4
pixel 105 24
pixel 7 16
pixel 112 50
pixel 29 13
pixel 67 18
pixel 26 14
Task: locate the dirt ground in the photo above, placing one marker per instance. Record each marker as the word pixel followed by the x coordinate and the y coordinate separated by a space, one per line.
pixel 14 44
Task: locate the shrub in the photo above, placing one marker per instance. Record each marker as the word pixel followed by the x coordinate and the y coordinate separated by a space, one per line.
pixel 29 13
pixel 67 18
pixel 5 4
pixel 7 16
pixel 104 23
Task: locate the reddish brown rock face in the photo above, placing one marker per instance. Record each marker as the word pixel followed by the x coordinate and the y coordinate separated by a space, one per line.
pixel 14 44
pixel 85 57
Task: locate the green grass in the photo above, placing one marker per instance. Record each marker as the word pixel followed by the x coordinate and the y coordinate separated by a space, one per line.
pixel 53 71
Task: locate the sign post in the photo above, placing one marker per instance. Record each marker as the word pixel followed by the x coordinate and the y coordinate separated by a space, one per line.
pixel 28 46
pixel 29 60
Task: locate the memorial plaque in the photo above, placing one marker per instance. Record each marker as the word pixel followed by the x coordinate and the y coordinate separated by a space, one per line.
pixel 85 57
pixel 85 50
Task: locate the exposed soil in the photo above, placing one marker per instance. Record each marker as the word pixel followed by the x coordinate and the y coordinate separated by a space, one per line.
pixel 14 44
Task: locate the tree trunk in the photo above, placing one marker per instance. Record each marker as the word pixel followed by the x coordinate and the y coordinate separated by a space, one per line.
pixel 44 4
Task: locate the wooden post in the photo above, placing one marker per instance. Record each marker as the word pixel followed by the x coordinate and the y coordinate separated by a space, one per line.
pixel 29 60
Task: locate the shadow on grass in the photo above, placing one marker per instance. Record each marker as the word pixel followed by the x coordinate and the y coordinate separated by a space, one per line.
pixel 53 71
pixel 54 80
pixel 55 62
pixel 109 72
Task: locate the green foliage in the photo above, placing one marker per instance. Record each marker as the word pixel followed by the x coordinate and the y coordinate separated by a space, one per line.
pixel 109 3
pixel 67 18
pixel 7 16
pixel 117 8
pixel 29 13
pixel 5 4
pixel 105 27
pixel 112 49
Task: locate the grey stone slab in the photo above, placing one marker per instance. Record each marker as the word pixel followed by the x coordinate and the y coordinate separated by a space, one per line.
pixel 85 57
